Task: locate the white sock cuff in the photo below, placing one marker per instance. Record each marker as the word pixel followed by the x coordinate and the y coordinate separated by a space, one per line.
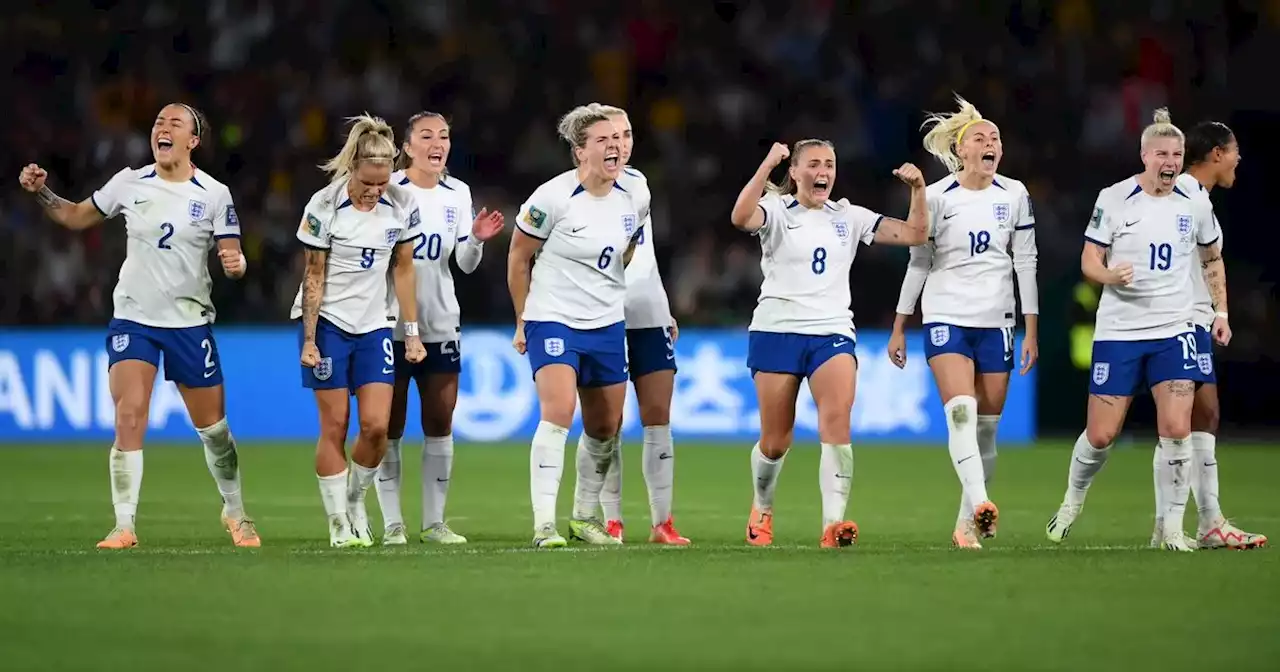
pixel 597 447
pixel 548 428
pixel 340 476
pixel 1176 449
pixel 362 471
pixel 1204 442
pixel 657 432
pixel 438 446
pixel 758 454
pixel 989 421
pixel 1086 451
pixel 215 431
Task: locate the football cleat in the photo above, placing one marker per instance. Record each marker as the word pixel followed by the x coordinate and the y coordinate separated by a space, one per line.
pixel 591 531
pixel 666 533
pixel 546 536
pixel 839 535
pixel 1060 524
pixel 985 516
pixel 760 527
pixel 441 534
pixel 119 539
pixel 614 528
pixel 1225 535
pixel 244 534
pixel 966 536
pixel 394 535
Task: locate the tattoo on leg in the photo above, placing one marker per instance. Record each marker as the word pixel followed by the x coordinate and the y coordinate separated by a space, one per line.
pixel 1181 388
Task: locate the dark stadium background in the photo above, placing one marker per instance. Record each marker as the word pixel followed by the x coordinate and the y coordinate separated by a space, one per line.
pixel 709 85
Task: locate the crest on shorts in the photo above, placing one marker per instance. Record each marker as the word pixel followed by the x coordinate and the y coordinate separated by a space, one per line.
pixel 324 369
pixel 120 342
pixel 1101 372
pixel 553 346
pixel 939 335
pixel 1205 361
pixel 392 236
pixel 450 217
pixel 841 227
pixel 196 210
pixel 1001 211
pixel 629 224
pixel 1184 225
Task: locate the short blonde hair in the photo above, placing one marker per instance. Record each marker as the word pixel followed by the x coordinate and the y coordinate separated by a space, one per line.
pixel 788 185
pixel 608 110
pixel 573 126
pixel 370 139
pixel 1162 127
pixel 948 129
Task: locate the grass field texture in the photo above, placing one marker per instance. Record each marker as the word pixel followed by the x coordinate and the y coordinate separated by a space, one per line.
pixel 902 599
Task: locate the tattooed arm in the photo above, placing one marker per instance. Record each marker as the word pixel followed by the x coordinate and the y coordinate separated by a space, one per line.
pixel 1215 275
pixel 74 216
pixel 313 278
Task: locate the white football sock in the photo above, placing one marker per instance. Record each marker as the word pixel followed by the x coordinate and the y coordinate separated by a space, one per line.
pixel 1156 460
pixel 1175 470
pixel 437 469
pixel 125 468
pixel 357 486
pixel 962 443
pixel 546 465
pixel 224 464
pixel 1086 462
pixel 593 458
pixel 988 425
pixel 659 464
pixel 390 478
pixel 611 493
pixel 1204 478
pixel 333 494
pixel 764 473
pixel 835 478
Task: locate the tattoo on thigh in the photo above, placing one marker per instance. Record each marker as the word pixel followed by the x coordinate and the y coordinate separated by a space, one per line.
pixel 1108 399
pixel 1181 388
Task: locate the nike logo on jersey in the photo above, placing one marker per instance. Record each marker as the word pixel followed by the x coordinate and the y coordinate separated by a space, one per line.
pixel 139 201
pixel 577 228
pixel 946 217
pixel 794 226
pixel 1129 224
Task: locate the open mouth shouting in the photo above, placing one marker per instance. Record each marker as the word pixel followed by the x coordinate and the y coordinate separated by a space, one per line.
pixel 611 160
pixel 435 158
pixel 989 160
pixel 821 188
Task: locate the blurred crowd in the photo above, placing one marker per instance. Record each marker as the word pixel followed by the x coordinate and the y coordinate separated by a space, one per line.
pixel 709 86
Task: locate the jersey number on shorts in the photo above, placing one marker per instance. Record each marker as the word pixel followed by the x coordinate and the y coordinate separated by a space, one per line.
pixel 390 358
pixel 819 263
pixel 606 256
pixel 164 240
pixel 979 242
pixel 432 243
pixel 1161 256
pixel 1188 342
pixel 209 366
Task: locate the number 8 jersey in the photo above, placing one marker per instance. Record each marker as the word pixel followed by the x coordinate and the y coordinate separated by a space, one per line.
pixel 1158 235
pixel 805 258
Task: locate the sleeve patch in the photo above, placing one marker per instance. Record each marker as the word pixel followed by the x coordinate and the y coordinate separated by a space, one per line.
pixel 535 217
pixel 233 220
pixel 311 225
pixel 1095 220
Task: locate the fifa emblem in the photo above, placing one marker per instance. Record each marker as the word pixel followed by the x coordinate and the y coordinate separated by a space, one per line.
pixel 842 229
pixel 939 336
pixel 415 218
pixel 1001 212
pixel 1101 372
pixel 1184 225
pixel 629 224
pixel 120 342
pixel 1205 360
pixel 554 346
pixel 451 217
pixel 196 210
pixel 324 369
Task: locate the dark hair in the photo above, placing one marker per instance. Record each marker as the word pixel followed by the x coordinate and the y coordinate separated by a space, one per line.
pixel 1204 137
pixel 788 186
pixel 404 160
pixel 197 119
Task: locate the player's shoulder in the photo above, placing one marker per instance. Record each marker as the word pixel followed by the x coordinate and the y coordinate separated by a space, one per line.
pixel 631 178
pixel 1119 192
pixel 558 189
pixel 844 207
pixel 210 183
pixel 1011 185
pixel 937 189
pixel 453 184
pixel 1191 187
pixel 401 197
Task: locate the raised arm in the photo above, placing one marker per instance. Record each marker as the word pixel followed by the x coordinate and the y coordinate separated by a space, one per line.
pixel 915 230
pixel 470 249
pixel 748 215
pixel 74 216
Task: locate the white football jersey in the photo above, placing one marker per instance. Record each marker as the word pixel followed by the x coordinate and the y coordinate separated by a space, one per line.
pixel 360 246
pixel 578 275
pixel 1203 306
pixel 171 227
pixel 975 240
pixel 805 258
pixel 1158 236
pixel 646 305
pixel 447 214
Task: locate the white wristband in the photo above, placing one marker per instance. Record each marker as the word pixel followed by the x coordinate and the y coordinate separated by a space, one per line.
pixel 410 328
pixel 1221 315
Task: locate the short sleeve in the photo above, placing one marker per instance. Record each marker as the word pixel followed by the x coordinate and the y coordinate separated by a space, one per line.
pixel 937 206
pixel 226 223
pixel 314 231
pixel 537 215
pixel 775 210
pixel 865 222
pixel 1206 226
pixel 109 199
pixel 1026 214
pixel 1100 229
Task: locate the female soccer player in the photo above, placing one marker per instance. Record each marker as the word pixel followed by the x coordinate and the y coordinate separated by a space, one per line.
pixel 1139 245
pixel 583 226
pixel 651 337
pixel 442 199
pixel 803 325
pixel 1213 154
pixel 354 229
pixel 981 232
pixel 174 214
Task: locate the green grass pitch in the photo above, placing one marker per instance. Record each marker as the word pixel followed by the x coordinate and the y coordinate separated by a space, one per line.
pixel 902 599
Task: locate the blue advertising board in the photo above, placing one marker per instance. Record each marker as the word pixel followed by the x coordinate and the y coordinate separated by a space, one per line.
pixel 53 387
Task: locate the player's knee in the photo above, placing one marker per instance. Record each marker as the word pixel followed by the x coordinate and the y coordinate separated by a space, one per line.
pixel 1174 428
pixel 333 425
pixel 1205 417
pixel 602 428
pixel 131 414
pixel 1100 437
pixel 435 424
pixel 655 413
pixel 833 425
pixel 775 444
pixel 373 430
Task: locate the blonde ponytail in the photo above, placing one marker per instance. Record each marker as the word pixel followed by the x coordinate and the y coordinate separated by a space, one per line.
pixel 370 139
pixel 1161 127
pixel 948 130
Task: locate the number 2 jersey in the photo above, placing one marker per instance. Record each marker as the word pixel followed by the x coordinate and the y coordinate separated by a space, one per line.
pixel 171 227
pixel 805 257
pixel 1159 236
pixel 977 241
pixel 360 245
